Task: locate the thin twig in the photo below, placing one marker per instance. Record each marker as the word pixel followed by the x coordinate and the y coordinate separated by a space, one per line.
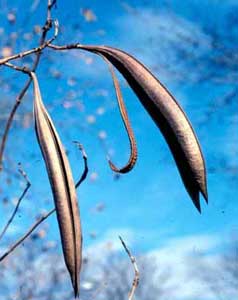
pixel 17 68
pixel 85 172
pixel 28 184
pixel 46 28
pixel 45 216
pixel 136 270
pixel 20 55
pixel 51 4
pixel 33 227
pixel 64 47
pixel 23 54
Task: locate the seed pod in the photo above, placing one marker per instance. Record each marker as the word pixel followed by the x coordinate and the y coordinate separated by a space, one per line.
pixel 133 156
pixel 168 116
pixel 62 185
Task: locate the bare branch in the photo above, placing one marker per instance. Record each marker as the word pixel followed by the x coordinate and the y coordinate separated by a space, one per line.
pixel 136 270
pixel 45 216
pixel 51 4
pixel 4 60
pixel 17 68
pixel 33 227
pixel 23 173
pixel 28 184
pixel 64 47
pixel 46 28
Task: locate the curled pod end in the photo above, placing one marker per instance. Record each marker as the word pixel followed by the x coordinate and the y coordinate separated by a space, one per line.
pixel 167 115
pixel 127 168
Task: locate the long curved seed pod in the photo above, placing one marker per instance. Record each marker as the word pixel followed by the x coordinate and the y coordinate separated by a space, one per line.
pixel 133 156
pixel 62 185
pixel 168 116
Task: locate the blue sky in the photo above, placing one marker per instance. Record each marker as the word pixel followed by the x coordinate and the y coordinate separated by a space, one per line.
pixel 150 204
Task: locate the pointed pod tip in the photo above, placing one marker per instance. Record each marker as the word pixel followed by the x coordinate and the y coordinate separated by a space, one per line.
pixel 203 186
pixel 75 284
pixel 196 200
pixel 205 194
pixel 203 191
pixel 76 292
pixel 115 169
pixel 197 189
pixel 111 165
pixel 197 204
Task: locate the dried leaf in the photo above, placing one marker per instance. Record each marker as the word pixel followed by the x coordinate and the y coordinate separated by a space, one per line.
pixel 62 185
pixel 168 116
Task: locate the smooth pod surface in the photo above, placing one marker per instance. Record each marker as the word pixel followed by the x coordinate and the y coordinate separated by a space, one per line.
pixel 168 116
pixel 62 185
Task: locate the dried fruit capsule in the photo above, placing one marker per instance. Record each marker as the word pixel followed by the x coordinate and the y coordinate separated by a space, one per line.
pixel 168 116
pixel 62 185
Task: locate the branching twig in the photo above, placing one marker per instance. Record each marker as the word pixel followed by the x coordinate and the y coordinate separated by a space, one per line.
pixel 46 28
pixel 4 60
pixel 136 270
pixel 28 184
pixel 45 216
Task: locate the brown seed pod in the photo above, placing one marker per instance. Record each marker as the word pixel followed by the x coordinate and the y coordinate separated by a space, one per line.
pixel 168 116
pixel 133 156
pixel 62 185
